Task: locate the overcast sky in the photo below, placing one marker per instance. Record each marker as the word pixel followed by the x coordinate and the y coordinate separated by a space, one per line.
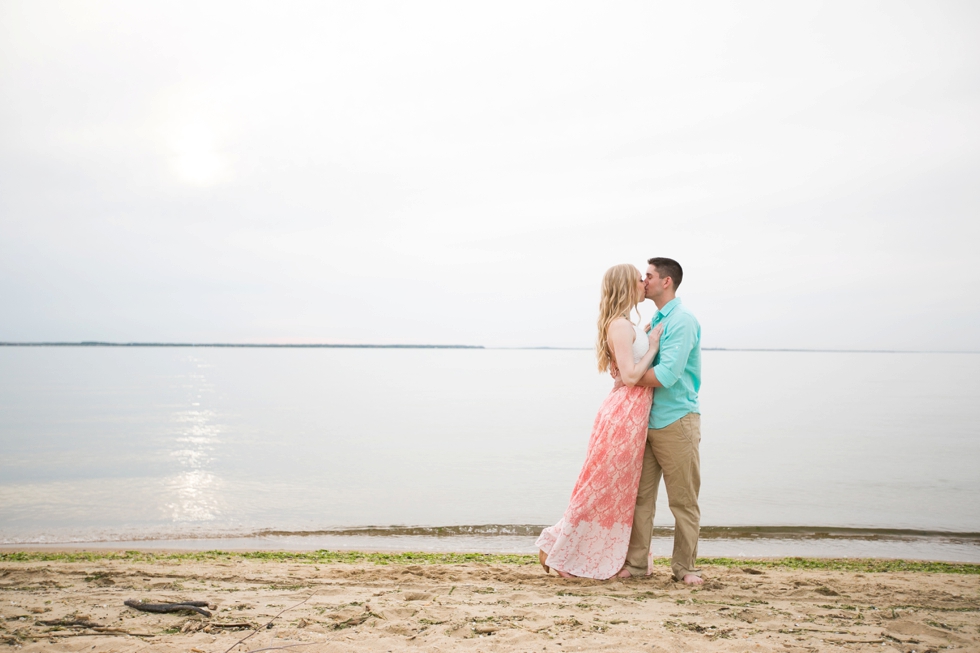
pixel 463 173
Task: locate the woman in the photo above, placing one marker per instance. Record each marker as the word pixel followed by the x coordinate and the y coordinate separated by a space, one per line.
pixel 592 537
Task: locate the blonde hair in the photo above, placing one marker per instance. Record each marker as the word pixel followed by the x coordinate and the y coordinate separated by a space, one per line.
pixel 619 297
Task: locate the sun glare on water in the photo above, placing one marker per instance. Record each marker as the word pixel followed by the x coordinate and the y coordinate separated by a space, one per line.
pixel 196 160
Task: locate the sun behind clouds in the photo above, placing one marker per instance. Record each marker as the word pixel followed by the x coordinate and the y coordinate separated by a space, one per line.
pixel 196 159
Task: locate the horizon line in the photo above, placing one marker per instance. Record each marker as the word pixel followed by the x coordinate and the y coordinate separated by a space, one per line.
pixel 100 343
pixel 93 343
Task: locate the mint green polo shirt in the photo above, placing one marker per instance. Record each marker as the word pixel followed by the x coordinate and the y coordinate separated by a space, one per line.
pixel 677 365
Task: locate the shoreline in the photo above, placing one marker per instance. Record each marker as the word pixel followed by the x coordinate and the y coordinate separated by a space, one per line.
pixel 748 546
pixel 83 554
pixel 394 602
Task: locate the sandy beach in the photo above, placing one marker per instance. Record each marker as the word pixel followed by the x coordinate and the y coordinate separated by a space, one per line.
pixel 53 602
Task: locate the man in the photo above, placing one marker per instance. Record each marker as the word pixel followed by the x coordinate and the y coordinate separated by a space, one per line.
pixel 674 433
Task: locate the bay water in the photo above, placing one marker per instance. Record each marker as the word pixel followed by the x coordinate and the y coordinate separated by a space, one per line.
pixel 803 453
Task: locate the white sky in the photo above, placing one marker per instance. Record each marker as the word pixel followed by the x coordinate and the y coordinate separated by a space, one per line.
pixel 463 173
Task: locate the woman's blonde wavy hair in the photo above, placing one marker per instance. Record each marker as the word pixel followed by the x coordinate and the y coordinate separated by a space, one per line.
pixel 618 299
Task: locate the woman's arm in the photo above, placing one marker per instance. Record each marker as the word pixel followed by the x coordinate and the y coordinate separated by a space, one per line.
pixel 620 339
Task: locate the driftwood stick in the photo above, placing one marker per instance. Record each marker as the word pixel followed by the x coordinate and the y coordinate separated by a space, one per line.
pixel 243 624
pixel 87 625
pixel 97 631
pixel 70 622
pixel 67 633
pixel 195 606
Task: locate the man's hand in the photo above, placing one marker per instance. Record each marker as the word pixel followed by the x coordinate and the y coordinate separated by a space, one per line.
pixel 614 373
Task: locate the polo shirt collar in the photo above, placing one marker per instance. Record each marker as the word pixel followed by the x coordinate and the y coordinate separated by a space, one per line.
pixel 669 306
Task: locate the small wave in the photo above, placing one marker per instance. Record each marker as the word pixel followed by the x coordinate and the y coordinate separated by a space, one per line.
pixel 826 532
pixel 519 530
pixel 707 532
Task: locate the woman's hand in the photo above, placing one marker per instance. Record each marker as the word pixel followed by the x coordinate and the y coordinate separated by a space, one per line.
pixel 620 340
pixel 654 335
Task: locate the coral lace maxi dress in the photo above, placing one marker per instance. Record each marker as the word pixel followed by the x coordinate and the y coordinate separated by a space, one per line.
pixel 592 537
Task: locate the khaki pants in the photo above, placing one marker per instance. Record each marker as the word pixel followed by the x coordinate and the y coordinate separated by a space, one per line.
pixel 671 452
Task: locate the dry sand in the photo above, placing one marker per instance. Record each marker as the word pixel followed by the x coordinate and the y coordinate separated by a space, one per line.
pixel 478 607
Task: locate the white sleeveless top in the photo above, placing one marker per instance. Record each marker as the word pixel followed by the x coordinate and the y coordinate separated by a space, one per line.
pixel 641 344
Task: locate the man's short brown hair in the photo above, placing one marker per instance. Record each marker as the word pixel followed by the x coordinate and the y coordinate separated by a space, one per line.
pixel 668 267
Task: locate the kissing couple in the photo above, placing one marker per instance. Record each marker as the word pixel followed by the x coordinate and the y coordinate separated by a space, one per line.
pixel 648 427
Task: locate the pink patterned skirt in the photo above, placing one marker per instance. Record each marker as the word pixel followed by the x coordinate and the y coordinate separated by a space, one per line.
pixel 592 537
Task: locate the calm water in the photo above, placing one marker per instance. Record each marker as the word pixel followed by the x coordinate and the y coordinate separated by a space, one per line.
pixel 111 444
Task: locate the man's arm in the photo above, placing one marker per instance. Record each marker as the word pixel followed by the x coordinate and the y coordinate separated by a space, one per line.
pixel 649 379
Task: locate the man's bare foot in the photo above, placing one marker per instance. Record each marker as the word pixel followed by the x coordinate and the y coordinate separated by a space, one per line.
pixel 543 558
pixel 691 579
pixel 624 573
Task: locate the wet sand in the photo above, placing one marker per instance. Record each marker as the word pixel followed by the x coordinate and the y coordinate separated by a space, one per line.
pixel 78 606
